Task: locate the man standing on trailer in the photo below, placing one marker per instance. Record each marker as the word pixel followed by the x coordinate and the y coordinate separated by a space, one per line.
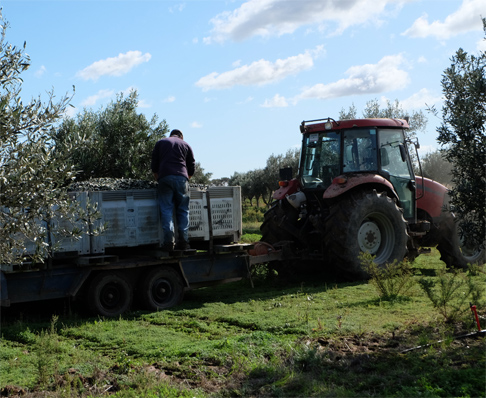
pixel 173 165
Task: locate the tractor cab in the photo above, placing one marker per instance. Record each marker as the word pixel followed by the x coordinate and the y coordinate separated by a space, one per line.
pixel 357 149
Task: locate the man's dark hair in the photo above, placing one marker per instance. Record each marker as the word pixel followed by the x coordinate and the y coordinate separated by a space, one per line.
pixel 177 133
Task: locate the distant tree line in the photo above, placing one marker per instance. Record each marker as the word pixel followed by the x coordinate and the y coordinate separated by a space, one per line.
pixel 259 184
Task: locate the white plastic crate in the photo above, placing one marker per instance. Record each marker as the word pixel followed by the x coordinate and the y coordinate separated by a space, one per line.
pixel 66 244
pixel 131 219
pixel 225 213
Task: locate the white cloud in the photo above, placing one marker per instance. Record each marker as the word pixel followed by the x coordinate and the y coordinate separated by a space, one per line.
pixel 421 100
pixel 196 125
pixel 467 18
pixel 384 76
pixel 171 98
pixel 276 102
pixel 40 72
pixel 422 60
pixel 246 101
pixel 70 111
pixel 178 7
pixel 259 72
pixel 481 46
pixel 102 94
pixel 116 66
pixel 276 17
pixel 143 104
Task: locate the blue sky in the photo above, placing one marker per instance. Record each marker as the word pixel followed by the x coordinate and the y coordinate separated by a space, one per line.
pixel 238 77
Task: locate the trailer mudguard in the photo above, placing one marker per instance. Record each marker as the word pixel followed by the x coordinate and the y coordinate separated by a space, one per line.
pixel 342 184
pixel 432 197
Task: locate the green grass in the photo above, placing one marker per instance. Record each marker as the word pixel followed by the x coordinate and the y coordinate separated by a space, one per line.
pixel 310 336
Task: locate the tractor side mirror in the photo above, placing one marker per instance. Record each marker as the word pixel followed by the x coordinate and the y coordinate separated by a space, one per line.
pixel 403 152
pixel 285 174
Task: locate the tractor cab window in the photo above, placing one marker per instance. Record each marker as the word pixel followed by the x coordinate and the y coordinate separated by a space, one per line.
pixel 394 159
pixel 396 164
pixel 359 152
pixel 320 161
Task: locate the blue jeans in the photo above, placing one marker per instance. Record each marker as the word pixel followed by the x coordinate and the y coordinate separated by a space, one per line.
pixel 173 191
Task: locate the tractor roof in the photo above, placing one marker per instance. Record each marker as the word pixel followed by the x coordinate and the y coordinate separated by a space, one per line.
pixel 331 124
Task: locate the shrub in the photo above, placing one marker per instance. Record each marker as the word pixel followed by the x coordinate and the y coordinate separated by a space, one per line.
pixel 253 214
pixel 390 280
pixel 451 293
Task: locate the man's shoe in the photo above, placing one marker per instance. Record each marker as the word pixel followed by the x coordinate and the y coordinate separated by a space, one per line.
pixel 183 245
pixel 167 247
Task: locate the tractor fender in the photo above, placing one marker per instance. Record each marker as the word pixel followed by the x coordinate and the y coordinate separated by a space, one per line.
pixel 291 187
pixel 432 195
pixel 346 183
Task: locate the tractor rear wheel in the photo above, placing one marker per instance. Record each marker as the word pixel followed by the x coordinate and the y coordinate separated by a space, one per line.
pixel 365 222
pixel 453 250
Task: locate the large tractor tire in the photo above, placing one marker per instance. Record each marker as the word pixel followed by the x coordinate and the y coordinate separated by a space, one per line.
pixel 453 252
pixel 365 222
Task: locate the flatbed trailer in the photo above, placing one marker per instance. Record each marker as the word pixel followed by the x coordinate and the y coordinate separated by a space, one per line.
pixel 108 284
pixel 107 272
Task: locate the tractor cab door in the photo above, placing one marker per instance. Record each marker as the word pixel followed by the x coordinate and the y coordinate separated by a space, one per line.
pixel 319 161
pixel 396 166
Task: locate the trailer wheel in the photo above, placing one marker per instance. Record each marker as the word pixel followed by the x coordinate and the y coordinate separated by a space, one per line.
pixel 454 252
pixel 162 288
pixel 109 294
pixel 365 222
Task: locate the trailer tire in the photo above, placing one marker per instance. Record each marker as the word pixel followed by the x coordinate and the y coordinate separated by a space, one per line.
pixel 109 294
pixel 365 221
pixel 161 288
pixel 452 250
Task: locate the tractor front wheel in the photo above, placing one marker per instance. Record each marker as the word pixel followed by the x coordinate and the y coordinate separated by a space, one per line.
pixel 365 222
pixel 277 221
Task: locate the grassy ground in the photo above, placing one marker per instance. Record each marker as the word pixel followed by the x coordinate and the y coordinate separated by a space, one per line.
pixel 306 337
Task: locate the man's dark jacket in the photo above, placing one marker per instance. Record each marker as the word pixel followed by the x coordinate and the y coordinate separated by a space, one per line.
pixel 173 156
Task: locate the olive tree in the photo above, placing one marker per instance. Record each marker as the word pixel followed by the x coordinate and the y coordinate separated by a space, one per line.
pixel 436 167
pixel 200 177
pixel 463 133
pixel 247 182
pixel 32 174
pixel 272 170
pixel 261 183
pixel 115 141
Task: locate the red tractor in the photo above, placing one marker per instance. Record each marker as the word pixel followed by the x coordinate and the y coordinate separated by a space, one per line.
pixel 356 192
